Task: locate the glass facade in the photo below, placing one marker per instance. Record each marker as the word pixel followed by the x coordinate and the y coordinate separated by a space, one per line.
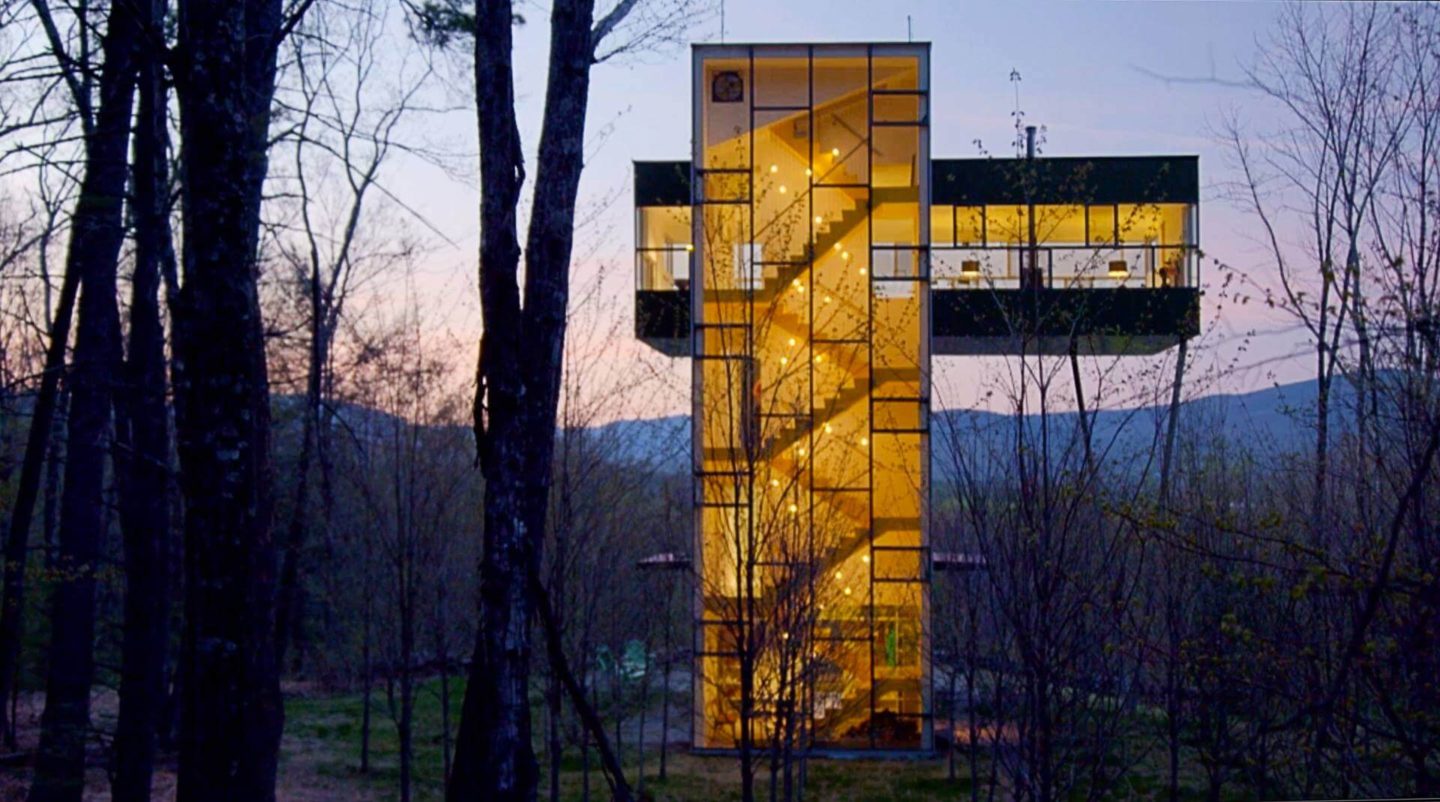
pixel 662 248
pixel 1086 246
pixel 807 264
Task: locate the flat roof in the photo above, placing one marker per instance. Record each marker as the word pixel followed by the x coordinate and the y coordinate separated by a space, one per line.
pixel 961 182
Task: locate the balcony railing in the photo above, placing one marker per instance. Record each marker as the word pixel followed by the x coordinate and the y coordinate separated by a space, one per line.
pixel 663 268
pixel 1065 267
pixel 1060 267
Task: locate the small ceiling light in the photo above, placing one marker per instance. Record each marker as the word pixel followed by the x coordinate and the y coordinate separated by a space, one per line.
pixel 827 299
pixel 819 219
pixel 792 342
pixel 784 360
pixel 819 357
pixel 847 591
pixel 845 256
pixel 807 171
pixel 774 168
pixel 839 575
pixel 774 482
pixel 689 247
pixel 782 189
pixel 827 428
pixel 837 246
pixel 800 451
pixel 835 152
pixel 865 558
pixel 794 509
pixel 862 271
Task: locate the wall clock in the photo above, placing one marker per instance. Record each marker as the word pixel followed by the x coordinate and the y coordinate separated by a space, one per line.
pixel 727 87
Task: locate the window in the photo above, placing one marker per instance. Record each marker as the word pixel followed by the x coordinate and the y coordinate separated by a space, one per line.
pixel 748 258
pixel 891 261
pixel 970 225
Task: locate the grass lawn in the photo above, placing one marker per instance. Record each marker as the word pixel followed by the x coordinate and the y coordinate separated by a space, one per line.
pixel 323 735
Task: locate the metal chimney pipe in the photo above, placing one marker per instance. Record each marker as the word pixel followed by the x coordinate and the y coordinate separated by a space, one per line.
pixel 1030 277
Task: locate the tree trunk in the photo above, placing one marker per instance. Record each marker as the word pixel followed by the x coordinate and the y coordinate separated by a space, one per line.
pixel 618 700
pixel 94 251
pixel 553 709
pixel 496 760
pixel 640 735
pixel 232 714
pixel 1167 460
pixel 144 470
pixel 1084 419
pixel 518 380
pixel 442 655
pixel 38 442
pixel 665 689
pixel 954 740
pixel 367 678
pixel 405 726
pixel 585 745
pixel 54 461
pixel 288 618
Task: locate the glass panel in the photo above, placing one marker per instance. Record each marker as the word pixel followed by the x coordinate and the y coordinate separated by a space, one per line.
pixel 817 270
pixel 841 119
pixel 840 274
pixel 782 198
pixel 896 158
pixel 782 77
pixel 663 269
pixel 1007 225
pixel 899 563
pixel 969 225
pixel 899 108
pixel 1102 224
pixel 725 87
pixel 1139 223
pixel 896 72
pixel 663 226
pixel 904 415
pixel 662 241
pixel 1060 225
pixel 942 225
pixel 725 187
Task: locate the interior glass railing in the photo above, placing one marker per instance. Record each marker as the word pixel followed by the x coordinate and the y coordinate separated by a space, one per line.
pixel 1065 267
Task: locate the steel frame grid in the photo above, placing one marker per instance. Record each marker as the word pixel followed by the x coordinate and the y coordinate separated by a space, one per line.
pixel 749 348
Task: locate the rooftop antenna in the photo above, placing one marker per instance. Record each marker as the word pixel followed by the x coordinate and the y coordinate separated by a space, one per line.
pixel 909 31
pixel 722 22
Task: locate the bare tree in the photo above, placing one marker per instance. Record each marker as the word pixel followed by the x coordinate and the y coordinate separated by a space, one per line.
pixel 1331 73
pixel 225 72
pixel 349 108
pixel 94 251
pixel 78 88
pixel 142 455
pixel 521 354
pixel 409 475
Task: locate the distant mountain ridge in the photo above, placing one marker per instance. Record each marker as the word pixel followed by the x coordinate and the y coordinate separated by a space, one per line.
pixel 1274 420
pixel 1277 419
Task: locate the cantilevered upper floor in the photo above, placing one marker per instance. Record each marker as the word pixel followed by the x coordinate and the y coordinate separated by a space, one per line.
pixel 1096 253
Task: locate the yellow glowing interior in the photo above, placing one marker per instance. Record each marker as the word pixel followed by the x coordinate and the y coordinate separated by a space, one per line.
pixel 1078 243
pixel 811 408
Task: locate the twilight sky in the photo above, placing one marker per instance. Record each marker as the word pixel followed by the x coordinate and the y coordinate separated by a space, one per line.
pixel 1094 74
